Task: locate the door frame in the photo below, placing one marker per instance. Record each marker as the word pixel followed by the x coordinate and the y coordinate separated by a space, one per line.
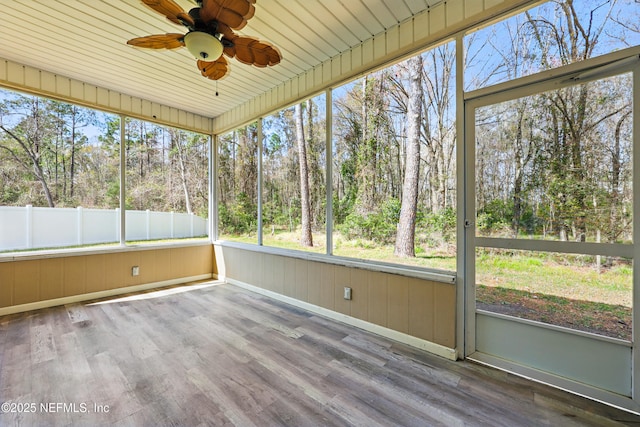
pixel 623 61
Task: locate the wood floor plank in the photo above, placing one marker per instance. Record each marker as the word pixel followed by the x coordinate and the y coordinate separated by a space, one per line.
pixel 219 355
pixel 385 394
pixel 43 345
pixel 391 406
pixel 215 392
pixel 76 313
pixel 291 410
pixel 301 381
pixel 15 378
pixel 118 393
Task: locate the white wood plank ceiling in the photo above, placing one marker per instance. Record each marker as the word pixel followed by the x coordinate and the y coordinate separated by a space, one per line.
pixel 86 40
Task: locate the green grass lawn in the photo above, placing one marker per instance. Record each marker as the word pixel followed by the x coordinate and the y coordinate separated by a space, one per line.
pixel 443 259
pixel 567 276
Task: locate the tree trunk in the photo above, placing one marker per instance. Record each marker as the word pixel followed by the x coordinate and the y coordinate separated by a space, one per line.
pixel 40 175
pixel 316 195
pixel 58 146
pixel 405 238
pixel 183 171
pixel 616 223
pixel 36 164
pixel 306 238
pixel 72 166
pixel 519 172
pixel 367 151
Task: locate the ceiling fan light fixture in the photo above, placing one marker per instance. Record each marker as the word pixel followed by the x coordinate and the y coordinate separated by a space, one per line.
pixel 203 45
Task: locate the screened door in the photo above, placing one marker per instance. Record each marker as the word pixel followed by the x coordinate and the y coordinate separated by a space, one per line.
pixel 551 243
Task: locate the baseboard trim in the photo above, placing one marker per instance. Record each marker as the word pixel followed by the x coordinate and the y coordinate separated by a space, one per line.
pixel 100 294
pixel 428 346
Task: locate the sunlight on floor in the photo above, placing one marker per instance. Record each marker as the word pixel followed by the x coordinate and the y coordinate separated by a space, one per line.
pixel 161 293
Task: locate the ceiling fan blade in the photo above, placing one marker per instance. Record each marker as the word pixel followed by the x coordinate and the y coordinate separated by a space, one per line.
pixel 215 70
pixel 234 13
pixel 171 10
pixel 252 51
pixel 159 41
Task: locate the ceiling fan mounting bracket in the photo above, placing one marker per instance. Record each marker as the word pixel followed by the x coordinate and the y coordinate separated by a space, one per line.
pixel 210 27
pixel 227 42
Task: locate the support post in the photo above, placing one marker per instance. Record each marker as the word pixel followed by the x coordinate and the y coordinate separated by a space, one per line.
pixel 123 170
pixel 80 225
pixel 29 220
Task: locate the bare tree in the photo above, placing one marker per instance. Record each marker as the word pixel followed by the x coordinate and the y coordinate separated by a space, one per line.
pixel 306 239
pixel 180 151
pixel 574 40
pixel 29 137
pixel 405 237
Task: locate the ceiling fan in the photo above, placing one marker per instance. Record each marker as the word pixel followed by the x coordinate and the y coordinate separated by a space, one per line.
pixel 211 34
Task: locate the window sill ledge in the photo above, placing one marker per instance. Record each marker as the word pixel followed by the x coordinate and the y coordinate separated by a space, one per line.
pixel 94 250
pixel 442 276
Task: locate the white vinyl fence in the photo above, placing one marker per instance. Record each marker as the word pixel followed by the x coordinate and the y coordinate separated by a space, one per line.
pixel 32 227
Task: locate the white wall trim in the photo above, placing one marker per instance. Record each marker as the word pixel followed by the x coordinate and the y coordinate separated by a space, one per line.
pixel 99 250
pixel 100 294
pixel 437 349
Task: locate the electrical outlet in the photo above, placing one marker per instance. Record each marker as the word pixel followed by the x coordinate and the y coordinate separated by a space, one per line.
pixel 135 270
pixel 347 293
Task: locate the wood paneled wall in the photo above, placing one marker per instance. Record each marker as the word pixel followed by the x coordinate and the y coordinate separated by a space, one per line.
pixel 421 308
pixel 51 278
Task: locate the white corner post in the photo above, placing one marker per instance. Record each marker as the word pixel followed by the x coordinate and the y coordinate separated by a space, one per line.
pixel 123 170
pixel 213 188
pixel 463 306
pixel 80 225
pixel 260 142
pixel 29 221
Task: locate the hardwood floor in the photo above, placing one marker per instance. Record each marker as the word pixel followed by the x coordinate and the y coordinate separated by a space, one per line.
pixel 209 354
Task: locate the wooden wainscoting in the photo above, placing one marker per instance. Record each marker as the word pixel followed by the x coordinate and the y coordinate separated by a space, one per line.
pixel 53 279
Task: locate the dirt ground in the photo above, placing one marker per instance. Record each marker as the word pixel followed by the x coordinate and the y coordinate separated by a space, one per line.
pixel 598 318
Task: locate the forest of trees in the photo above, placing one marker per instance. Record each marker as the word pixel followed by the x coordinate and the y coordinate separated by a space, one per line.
pixel 373 161
pixel 53 154
pixel 394 155
pixel 554 165
pixel 558 164
pixel 561 170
